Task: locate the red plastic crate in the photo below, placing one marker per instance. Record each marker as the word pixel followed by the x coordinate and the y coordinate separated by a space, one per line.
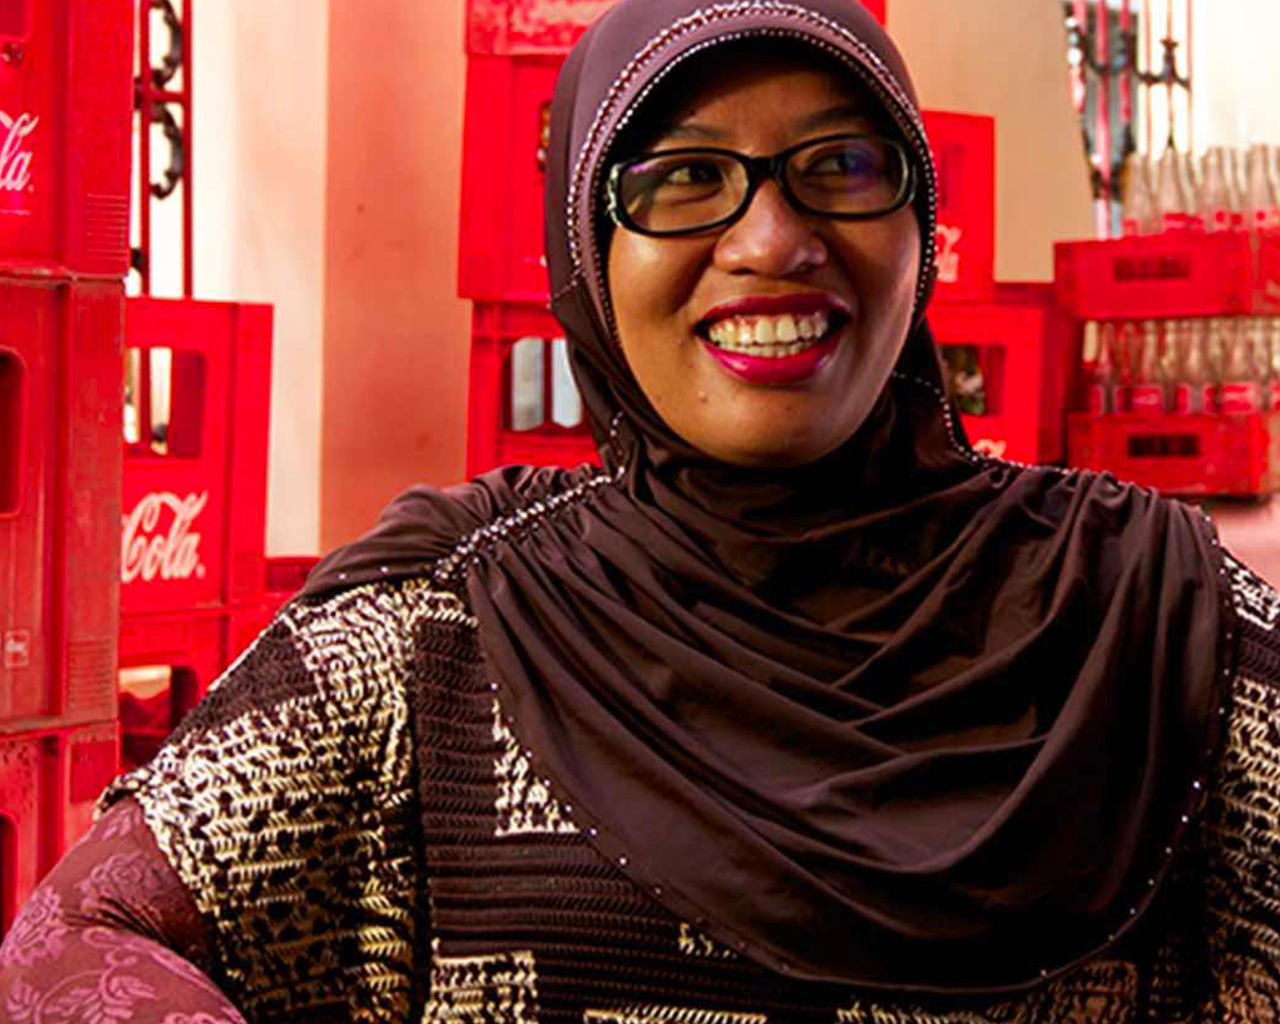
pixel 66 125
pixel 1175 274
pixel 286 575
pixel 59 500
pixel 1182 455
pixel 1026 353
pixel 86 760
pixel 504 161
pixel 192 644
pixel 49 783
pixel 547 26
pixel 21 787
pixel 492 439
pixel 964 153
pixel 195 506
pixel 168 662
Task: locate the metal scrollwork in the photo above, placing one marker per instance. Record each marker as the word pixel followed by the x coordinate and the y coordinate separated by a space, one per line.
pixel 175 56
pixel 177 169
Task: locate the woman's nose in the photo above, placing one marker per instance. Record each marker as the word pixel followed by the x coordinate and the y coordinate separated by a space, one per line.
pixel 772 238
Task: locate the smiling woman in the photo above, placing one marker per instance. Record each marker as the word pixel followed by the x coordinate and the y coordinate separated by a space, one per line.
pixel 762 306
pixel 799 710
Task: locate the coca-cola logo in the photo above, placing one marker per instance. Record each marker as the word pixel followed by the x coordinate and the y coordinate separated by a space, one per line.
pixel 16 154
pixel 948 259
pixel 150 551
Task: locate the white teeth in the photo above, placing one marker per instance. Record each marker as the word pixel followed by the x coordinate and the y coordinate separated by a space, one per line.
pixel 769 336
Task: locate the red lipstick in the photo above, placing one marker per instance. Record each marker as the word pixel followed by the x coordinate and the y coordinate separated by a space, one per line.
pixel 782 370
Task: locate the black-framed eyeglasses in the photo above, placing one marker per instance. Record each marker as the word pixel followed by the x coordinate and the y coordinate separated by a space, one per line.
pixel 695 189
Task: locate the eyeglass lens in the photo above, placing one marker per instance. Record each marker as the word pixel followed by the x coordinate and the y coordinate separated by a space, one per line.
pixel 685 190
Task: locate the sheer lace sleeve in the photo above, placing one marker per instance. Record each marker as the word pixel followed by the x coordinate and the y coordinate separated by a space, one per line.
pixel 110 935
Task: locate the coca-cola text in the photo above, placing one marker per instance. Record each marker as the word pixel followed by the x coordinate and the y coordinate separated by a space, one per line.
pixel 15 154
pixel 147 554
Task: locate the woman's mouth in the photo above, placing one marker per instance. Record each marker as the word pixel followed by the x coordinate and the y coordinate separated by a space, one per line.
pixel 780 348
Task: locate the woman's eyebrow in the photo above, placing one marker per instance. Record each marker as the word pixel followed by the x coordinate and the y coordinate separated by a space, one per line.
pixel 691 131
pixel 832 117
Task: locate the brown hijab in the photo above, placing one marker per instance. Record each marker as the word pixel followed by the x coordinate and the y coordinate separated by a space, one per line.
pixel 906 718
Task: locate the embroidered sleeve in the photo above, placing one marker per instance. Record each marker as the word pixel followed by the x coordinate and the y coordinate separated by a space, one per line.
pixel 110 935
pixel 1242 822
pixel 285 803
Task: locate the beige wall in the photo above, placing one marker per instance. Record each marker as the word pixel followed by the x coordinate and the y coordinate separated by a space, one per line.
pixel 260 73
pixel 396 335
pixel 1234 59
pixel 1007 58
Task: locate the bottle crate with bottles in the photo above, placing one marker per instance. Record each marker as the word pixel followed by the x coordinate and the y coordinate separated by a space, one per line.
pixel 1187 405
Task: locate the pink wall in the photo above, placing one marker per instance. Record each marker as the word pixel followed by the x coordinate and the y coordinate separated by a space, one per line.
pixel 395 334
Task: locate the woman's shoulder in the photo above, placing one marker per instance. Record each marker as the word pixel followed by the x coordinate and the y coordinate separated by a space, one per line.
pixel 424 526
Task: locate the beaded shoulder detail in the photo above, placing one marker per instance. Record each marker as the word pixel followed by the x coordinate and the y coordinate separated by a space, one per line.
pixel 451 569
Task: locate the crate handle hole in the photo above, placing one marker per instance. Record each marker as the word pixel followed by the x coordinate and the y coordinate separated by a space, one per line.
pixel 164 396
pixel 528 368
pixel 12 398
pixel 975 376
pixel 8 872
pixel 1164 446
pixel 566 401
pixel 15 19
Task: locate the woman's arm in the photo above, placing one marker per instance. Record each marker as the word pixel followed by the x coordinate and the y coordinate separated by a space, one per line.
pixel 111 935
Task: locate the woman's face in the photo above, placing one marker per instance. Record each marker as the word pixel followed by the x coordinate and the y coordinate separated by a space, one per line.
pixel 763 277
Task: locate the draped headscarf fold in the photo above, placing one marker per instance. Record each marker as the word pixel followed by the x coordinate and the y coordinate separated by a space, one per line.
pixel 906 718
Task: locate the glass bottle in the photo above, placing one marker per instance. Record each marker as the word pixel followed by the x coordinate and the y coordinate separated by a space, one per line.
pixel 1147 393
pixel 1193 392
pixel 1116 343
pixel 1172 201
pixel 1138 214
pixel 1098 372
pixel 1235 178
pixel 1261 206
pixel 1217 199
pixel 1273 362
pixel 1241 389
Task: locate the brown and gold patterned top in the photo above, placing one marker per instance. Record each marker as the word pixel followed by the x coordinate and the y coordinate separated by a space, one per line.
pixel 346 830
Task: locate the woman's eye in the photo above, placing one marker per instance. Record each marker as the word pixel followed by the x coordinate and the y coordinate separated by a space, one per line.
pixel 691 173
pixel 846 162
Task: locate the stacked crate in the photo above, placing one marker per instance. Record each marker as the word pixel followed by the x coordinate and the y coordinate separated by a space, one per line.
pixel 65 117
pixel 193 571
pixel 1006 346
pixel 1213 447
pixel 523 405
